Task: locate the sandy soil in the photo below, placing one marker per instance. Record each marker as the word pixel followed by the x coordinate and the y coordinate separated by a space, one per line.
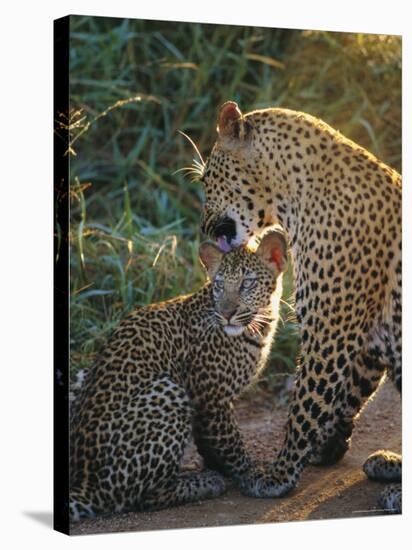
pixel 336 491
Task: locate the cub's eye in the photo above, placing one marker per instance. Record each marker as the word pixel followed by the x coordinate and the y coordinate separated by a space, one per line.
pixel 248 283
pixel 218 284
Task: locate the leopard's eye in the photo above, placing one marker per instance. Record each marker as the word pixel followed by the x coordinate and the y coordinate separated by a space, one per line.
pixel 248 283
pixel 218 284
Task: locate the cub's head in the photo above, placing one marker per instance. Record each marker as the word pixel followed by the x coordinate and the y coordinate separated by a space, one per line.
pixel 243 282
pixel 234 180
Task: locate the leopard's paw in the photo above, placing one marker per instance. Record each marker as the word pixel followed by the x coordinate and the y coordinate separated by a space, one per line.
pixel 213 483
pixel 383 466
pixel 263 485
pixel 390 499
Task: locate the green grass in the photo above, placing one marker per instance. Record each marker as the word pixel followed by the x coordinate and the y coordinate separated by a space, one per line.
pixel 134 223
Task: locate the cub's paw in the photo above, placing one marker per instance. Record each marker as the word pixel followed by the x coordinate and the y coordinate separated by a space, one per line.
pixel 390 500
pixel 263 485
pixel 213 484
pixel 383 466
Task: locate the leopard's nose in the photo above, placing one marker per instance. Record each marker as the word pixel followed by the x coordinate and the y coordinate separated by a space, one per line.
pixel 225 227
pixel 227 312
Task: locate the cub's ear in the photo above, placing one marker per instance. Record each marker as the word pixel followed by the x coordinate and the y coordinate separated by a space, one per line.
pixel 211 256
pixel 273 250
pixel 232 127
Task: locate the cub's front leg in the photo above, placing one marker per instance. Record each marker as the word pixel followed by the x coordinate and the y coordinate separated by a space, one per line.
pixel 220 442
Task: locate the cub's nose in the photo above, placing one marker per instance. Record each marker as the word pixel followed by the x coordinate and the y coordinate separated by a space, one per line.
pixel 227 312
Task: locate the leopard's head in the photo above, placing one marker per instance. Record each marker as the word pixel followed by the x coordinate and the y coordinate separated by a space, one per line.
pixel 244 282
pixel 234 179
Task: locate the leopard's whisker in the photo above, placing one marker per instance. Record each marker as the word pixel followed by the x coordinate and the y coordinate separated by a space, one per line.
pixel 261 321
pixel 255 328
pixel 197 168
pixel 189 139
pixel 211 324
pixel 219 317
pixel 194 171
pixel 245 316
pixel 250 329
pixel 198 165
pixel 263 317
pixel 264 310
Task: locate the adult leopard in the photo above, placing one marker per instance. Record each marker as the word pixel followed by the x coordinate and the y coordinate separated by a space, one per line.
pixel 341 208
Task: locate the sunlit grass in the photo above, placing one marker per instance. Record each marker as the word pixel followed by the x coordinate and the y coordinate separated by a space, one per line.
pixel 134 84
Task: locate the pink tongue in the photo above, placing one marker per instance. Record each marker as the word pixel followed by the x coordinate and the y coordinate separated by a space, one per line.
pixel 223 244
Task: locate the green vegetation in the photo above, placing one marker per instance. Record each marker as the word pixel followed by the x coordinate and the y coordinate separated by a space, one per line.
pixel 133 85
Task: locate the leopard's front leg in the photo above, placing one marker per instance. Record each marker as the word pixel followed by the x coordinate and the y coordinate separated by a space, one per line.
pixel 328 396
pixel 355 383
pixel 301 433
pixel 220 442
pixel 317 423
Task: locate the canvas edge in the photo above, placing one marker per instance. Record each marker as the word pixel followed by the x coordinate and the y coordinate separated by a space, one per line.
pixel 61 277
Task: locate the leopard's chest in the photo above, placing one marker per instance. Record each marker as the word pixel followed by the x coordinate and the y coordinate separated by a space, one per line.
pixel 222 366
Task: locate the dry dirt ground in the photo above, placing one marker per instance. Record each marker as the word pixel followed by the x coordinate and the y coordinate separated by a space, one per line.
pixel 339 491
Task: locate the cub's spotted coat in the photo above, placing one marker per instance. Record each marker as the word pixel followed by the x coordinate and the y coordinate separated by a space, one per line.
pixel 167 367
pixel 341 208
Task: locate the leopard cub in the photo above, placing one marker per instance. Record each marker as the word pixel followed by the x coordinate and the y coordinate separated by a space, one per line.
pixel 169 370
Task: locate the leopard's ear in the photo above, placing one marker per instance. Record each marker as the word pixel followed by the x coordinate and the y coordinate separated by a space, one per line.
pixel 229 115
pixel 273 250
pixel 231 125
pixel 211 256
